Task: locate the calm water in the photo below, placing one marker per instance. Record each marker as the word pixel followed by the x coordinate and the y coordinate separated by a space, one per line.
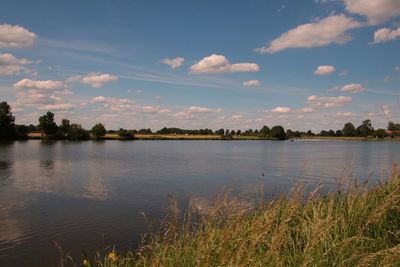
pixel 87 195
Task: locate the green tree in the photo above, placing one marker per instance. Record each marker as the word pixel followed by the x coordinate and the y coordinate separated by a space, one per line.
pixel 278 132
pixel 381 133
pixel 365 129
pixel 393 126
pixel 78 133
pixel 7 126
pixel 21 131
pixel 65 129
pixel 125 134
pixel 99 130
pixel 47 124
pixel 265 131
pixel 348 129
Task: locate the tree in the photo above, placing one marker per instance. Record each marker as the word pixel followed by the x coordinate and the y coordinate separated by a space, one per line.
pixel 220 131
pixel 365 129
pixel 65 129
pixel 381 133
pixel 265 131
pixel 47 124
pixel 99 130
pixel 21 131
pixel 125 134
pixel 78 133
pixel 278 132
pixel 348 129
pixel 7 126
pixel 393 126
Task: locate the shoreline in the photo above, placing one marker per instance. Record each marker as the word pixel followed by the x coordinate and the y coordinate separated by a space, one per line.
pixel 161 137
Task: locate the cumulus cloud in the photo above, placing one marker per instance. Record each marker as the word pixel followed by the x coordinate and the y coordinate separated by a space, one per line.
pixel 352 88
pixel 115 104
pixel 397 69
pixel 345 114
pixel 95 80
pixel 39 85
pixel 324 70
pixel 385 35
pixel 174 63
pixel 58 107
pixel 15 36
pixel 306 110
pixel 252 83
pixel 219 64
pixel 328 102
pixel 377 11
pixel 10 65
pixel 332 29
pixel 281 110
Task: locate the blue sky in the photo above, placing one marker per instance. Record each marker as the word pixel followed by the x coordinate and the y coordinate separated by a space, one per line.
pixel 312 64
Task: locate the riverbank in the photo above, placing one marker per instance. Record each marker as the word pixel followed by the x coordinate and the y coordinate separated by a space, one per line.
pixel 357 225
pixel 218 137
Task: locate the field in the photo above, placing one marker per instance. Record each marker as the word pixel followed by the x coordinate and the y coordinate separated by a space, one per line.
pixel 37 135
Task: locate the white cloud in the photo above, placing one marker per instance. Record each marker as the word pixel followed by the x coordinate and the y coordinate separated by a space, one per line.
pixel 39 85
pixel 328 102
pixel 345 114
pixel 194 109
pixel 237 117
pixel 323 32
pixel 10 65
pixel 57 107
pixel 174 63
pixel 15 36
pixel 352 88
pixel 219 64
pixel 252 83
pixel 324 70
pixel 95 80
pixel 306 110
pixel 377 11
pixel 281 110
pixel 397 69
pixel 385 35
pixel 115 104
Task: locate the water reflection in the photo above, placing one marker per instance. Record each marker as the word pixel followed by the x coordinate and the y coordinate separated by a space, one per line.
pixel 74 192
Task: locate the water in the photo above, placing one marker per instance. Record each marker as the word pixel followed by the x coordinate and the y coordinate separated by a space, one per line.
pixel 87 195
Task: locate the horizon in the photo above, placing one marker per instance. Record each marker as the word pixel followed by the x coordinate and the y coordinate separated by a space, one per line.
pixel 313 65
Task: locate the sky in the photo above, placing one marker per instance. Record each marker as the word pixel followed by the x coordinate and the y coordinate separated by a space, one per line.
pixel 310 64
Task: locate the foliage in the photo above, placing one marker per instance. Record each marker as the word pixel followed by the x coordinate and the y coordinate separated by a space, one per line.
pixel 21 131
pixel 278 132
pixel 65 129
pixel 47 125
pixel 125 134
pixel 78 133
pixel 365 129
pixel 348 129
pixel 7 126
pixel 99 130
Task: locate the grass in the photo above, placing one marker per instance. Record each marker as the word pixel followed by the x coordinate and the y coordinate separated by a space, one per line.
pixel 353 225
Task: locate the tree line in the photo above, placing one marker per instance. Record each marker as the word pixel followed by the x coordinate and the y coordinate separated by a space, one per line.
pixel 72 131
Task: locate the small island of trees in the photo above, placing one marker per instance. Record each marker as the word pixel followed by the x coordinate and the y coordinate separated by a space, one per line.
pixel 47 128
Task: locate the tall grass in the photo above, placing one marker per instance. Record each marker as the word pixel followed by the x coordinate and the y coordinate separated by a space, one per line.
pixel 356 225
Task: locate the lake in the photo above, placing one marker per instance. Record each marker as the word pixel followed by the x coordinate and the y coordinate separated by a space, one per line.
pixel 88 195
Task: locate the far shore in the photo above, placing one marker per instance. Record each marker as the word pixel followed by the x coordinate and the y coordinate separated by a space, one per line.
pixel 37 135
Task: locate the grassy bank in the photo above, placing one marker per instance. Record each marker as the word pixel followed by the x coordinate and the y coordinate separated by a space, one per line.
pixel 37 135
pixel 359 226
